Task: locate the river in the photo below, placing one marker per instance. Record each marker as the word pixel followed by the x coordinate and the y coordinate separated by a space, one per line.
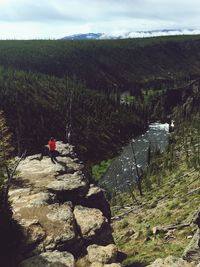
pixel 122 171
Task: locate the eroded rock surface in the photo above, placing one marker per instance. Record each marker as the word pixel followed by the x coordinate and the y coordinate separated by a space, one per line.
pixel 93 225
pixel 102 254
pixel 58 210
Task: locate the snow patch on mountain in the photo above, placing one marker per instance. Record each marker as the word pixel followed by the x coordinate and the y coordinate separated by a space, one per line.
pixel 132 34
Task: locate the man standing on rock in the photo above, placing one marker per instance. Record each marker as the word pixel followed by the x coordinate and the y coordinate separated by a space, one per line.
pixel 52 150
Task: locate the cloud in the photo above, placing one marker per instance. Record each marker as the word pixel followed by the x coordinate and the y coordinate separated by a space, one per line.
pixel 21 10
pixel 58 18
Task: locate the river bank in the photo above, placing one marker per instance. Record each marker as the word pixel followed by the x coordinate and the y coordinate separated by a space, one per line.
pixel 161 224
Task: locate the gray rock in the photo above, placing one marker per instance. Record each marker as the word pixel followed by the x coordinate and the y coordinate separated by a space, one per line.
pixel 50 259
pixel 48 225
pixel 37 173
pixel 102 254
pixel 60 228
pixel 93 226
pixel 53 229
pixel 64 150
pixel 69 187
pixel 95 198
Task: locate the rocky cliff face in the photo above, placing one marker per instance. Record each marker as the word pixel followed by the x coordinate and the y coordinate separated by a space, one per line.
pixel 60 212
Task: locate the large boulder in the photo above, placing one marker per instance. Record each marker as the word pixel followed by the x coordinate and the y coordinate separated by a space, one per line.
pixel 50 259
pixel 102 254
pixel 93 226
pixel 57 208
pixel 61 229
pixel 54 229
pixel 95 198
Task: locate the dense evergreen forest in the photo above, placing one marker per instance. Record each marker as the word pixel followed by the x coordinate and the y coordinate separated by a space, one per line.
pixel 108 65
pixel 73 90
pixel 95 95
pixel 38 106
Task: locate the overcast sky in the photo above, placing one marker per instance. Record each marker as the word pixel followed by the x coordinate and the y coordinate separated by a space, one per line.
pixel 31 19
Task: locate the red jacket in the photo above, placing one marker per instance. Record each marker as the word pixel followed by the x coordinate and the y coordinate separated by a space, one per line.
pixel 52 145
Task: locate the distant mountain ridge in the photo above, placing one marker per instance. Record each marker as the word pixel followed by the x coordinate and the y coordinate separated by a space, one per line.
pixel 134 34
pixel 86 36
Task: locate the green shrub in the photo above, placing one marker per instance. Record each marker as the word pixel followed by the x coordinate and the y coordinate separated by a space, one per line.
pixel 99 170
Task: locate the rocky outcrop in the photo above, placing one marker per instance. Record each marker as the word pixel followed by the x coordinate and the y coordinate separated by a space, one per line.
pixel 93 225
pixel 95 199
pixel 59 211
pixel 102 254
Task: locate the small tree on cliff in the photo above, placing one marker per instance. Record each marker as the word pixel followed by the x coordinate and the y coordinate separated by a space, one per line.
pixel 10 232
pixel 6 150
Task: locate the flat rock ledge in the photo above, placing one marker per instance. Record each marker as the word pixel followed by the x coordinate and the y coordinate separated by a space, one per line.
pixel 59 212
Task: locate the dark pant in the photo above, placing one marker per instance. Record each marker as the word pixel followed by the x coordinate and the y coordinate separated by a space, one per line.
pixel 52 154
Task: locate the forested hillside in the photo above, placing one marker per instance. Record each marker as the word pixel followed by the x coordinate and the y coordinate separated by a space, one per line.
pixel 96 95
pixel 160 223
pixel 38 106
pixel 108 64
pixel 72 89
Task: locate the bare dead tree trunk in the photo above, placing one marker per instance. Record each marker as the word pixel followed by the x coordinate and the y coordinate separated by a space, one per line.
pixel 139 175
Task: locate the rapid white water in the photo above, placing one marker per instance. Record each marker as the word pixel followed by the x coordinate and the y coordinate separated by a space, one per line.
pixel 122 171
